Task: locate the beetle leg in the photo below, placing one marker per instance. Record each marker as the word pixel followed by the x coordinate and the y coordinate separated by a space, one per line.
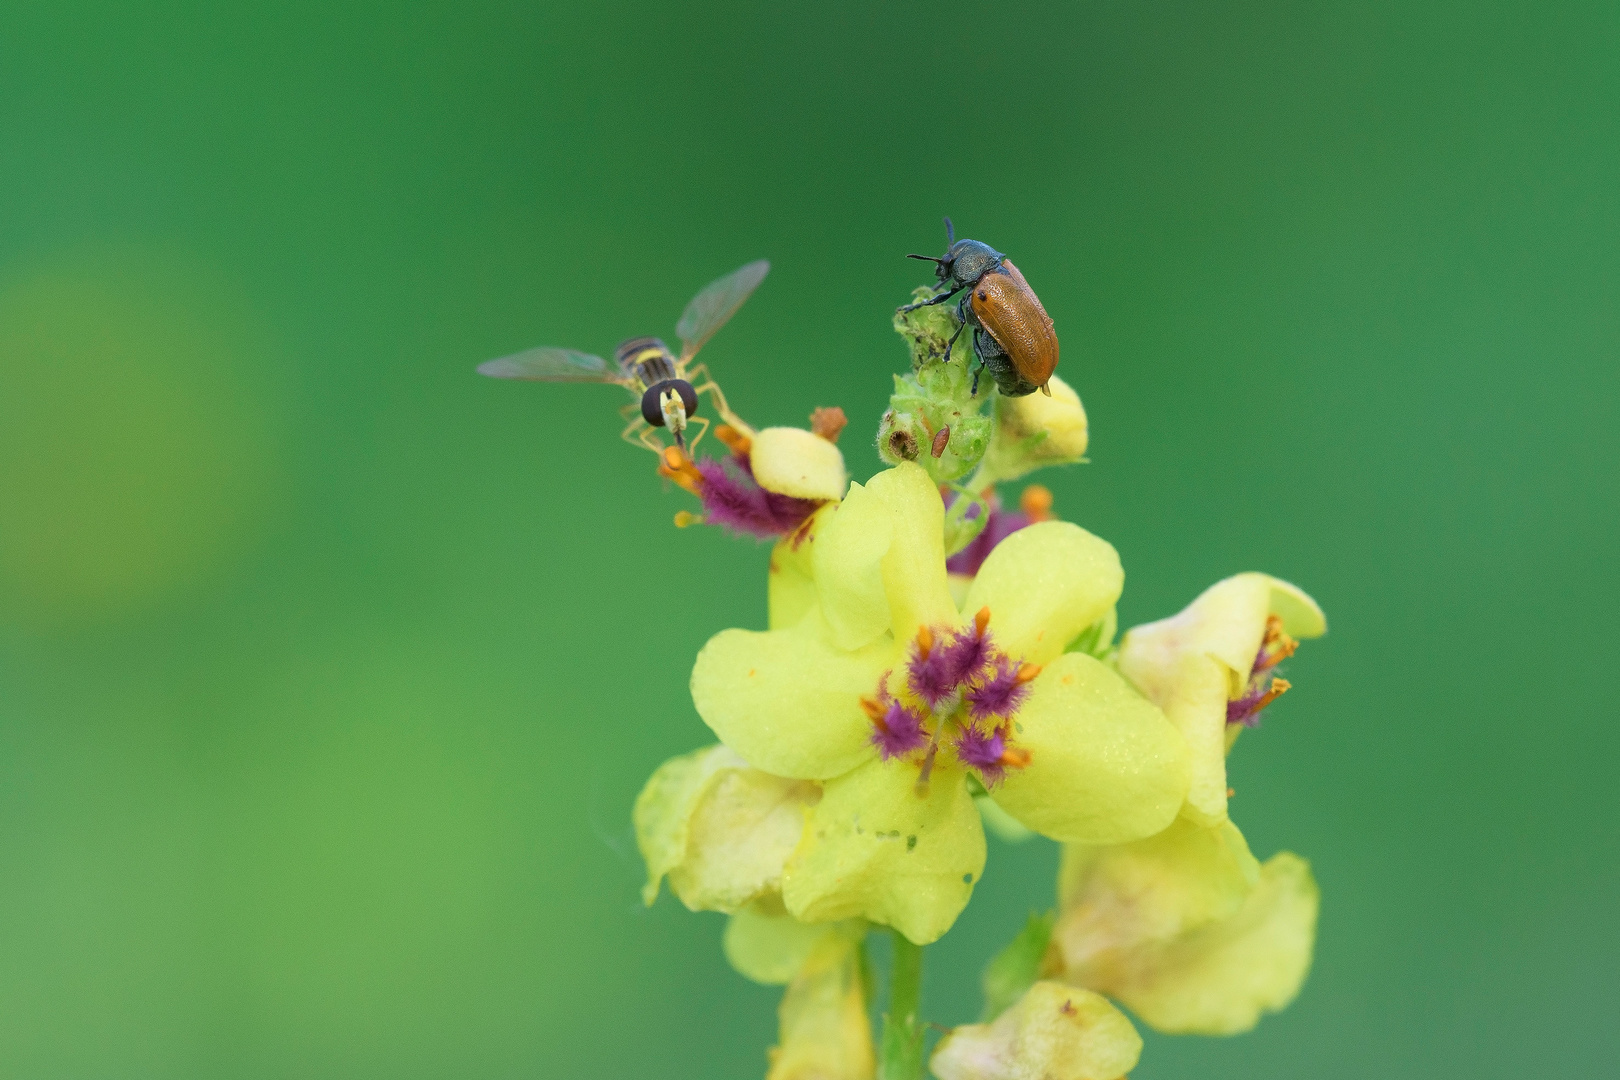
pixel 960 326
pixel 940 299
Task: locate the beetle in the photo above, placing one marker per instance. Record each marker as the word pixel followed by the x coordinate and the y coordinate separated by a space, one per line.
pixel 1013 336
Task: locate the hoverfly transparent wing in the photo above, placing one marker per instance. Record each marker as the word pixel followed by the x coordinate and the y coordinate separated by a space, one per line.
pixel 718 302
pixel 552 365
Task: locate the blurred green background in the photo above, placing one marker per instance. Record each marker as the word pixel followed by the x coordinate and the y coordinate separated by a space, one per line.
pixel 328 670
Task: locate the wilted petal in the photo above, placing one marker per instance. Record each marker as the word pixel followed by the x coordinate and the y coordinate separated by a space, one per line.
pixel 1219 980
pixel 825 1034
pixel 793 461
pixel 1044 584
pixel 1114 898
pixel 766 944
pixel 1192 663
pixel 1055 1032
pixel 875 848
pixel 788 700
pixel 742 830
pixel 1105 765
pixel 663 811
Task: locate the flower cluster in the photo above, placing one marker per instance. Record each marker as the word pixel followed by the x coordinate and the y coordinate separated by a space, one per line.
pixel 932 663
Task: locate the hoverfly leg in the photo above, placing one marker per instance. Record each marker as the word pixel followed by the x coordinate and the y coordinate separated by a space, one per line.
pixel 712 388
pixel 639 433
pixel 702 425
pixel 940 299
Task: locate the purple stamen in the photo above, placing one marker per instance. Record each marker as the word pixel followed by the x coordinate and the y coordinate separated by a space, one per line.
pixel 999 695
pixel 968 654
pixel 898 732
pixel 930 676
pixel 732 500
pixel 983 751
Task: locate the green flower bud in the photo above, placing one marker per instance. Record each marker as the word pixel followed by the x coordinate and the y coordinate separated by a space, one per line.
pixel 933 418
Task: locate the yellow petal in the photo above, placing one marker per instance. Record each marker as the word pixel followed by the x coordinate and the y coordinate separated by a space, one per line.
pixel 792 583
pixel 1044 584
pixel 1220 979
pixel 1114 898
pixel 880 560
pixel 876 849
pixel 848 567
pixel 1054 1032
pixel 787 700
pixel 1105 767
pixel 914 575
pixel 792 461
pixel 766 944
pixel 742 829
pixel 825 1034
pixel 663 810
pixel 1192 663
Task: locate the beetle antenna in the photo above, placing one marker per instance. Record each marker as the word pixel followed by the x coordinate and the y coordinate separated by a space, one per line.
pixel 928 258
pixel 950 232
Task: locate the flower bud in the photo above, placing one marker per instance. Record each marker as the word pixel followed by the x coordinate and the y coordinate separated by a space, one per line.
pixel 1035 431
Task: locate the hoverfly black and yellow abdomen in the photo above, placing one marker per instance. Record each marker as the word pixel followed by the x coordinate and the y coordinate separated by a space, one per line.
pixel 646 359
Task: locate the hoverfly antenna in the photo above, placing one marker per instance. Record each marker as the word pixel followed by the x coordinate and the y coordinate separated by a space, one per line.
pixel 926 258
pixel 950 232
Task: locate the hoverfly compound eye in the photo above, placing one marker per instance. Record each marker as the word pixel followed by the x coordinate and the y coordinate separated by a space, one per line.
pixel 652 408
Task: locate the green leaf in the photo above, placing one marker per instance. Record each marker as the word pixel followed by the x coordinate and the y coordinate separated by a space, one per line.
pixel 1017 967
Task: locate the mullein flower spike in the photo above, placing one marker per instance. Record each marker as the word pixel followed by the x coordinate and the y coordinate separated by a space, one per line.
pixel 932 662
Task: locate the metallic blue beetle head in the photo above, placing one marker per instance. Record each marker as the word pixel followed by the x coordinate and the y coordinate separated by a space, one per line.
pixel 964 261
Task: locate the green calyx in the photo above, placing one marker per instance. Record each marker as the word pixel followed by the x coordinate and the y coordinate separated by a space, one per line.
pixel 933 419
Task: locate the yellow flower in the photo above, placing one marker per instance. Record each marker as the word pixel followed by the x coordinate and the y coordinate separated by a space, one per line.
pixel 1186 928
pixel 1054 1032
pixel 873 683
pixel 1212 669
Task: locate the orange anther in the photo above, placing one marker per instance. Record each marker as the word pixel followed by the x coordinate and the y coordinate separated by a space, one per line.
pixel 981 620
pixel 1231 792
pixel 874 709
pixel 678 467
pixel 1026 672
pixel 1036 502
pixel 738 443
pixel 925 641
pixel 1278 688
pixel 828 422
pixel 683 518
pixel 1016 757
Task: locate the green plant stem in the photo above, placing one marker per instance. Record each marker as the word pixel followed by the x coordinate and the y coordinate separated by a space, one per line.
pixel 902 1029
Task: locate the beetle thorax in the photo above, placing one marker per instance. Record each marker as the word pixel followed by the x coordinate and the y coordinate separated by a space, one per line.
pixel 966 261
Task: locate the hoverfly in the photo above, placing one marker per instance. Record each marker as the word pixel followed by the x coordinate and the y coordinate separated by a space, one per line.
pixel 666 386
